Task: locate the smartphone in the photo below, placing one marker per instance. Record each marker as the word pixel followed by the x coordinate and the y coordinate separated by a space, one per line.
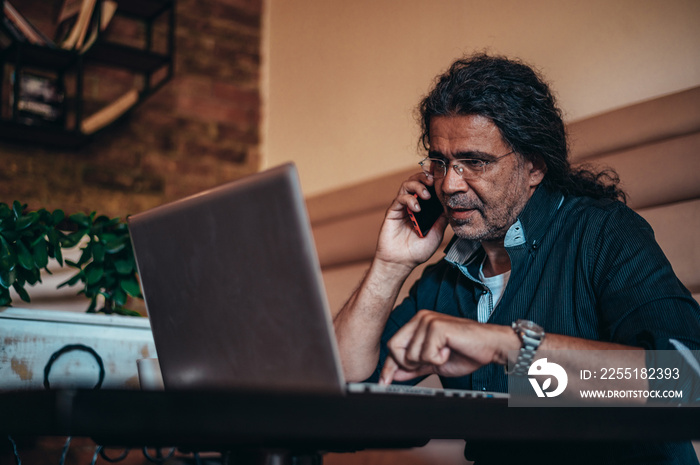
pixel 430 211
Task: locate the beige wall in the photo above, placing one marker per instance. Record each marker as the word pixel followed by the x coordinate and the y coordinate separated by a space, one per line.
pixel 341 78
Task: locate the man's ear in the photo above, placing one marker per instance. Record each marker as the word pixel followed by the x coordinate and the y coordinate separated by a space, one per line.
pixel 537 171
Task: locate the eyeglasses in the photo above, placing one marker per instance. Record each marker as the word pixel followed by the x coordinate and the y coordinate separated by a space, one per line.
pixel 468 168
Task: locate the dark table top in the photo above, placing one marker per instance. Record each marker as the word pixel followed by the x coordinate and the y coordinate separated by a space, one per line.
pixel 216 419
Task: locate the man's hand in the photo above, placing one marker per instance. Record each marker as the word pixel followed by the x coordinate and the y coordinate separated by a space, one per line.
pixel 446 345
pixel 398 243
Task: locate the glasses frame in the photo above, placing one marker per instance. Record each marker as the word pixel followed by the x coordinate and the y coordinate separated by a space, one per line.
pixel 459 168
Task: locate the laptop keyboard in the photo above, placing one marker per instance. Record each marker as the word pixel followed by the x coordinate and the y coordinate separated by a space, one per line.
pixel 422 391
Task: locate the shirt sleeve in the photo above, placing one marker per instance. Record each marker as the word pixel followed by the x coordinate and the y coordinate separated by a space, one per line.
pixel 642 302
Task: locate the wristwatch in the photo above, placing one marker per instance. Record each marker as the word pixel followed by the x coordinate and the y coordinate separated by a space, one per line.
pixel 531 335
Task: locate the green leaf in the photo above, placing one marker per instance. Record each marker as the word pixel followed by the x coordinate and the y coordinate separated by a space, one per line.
pixel 8 259
pixel 45 218
pixel 93 273
pixel 72 281
pixel 37 239
pixel 86 255
pixel 58 255
pixel 21 292
pixel 72 239
pixel 58 216
pixel 24 256
pixel 7 277
pixel 124 266
pixel 115 246
pixel 18 208
pixel 98 252
pixel 107 237
pixel 131 287
pixel 11 236
pixel 81 219
pixel 103 223
pixel 41 254
pixel 119 297
pixel 23 222
pixel 53 237
pixel 91 290
pixel 32 276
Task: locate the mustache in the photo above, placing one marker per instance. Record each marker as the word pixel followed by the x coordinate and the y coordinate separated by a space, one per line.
pixel 462 201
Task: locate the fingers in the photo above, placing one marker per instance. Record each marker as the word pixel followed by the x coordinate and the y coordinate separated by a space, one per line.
pixel 396 366
pixel 428 342
pixel 393 372
pixel 388 371
pixel 418 347
pixel 414 186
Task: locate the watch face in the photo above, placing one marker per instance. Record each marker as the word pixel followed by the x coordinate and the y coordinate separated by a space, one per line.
pixel 527 325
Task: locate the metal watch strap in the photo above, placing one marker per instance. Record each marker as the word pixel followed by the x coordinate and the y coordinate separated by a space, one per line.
pixel 531 340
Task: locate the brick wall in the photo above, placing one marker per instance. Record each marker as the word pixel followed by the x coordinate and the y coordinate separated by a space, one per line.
pixel 200 130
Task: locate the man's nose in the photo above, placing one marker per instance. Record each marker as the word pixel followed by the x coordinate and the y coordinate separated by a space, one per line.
pixel 453 182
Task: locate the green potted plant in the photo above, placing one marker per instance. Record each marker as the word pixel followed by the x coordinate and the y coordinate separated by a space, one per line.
pixel 107 268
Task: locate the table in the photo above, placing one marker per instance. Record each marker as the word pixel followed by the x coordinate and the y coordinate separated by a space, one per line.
pixel 303 424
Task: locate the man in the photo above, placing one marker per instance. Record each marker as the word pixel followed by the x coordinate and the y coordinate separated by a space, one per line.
pixel 544 256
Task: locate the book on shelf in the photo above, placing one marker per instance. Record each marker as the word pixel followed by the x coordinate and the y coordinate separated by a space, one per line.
pixel 77 33
pixel 108 9
pixel 21 29
pixel 67 10
pixel 12 30
pixel 40 100
pixel 82 21
pixel 109 113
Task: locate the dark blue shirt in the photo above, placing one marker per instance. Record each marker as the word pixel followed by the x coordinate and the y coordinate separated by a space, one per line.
pixel 579 267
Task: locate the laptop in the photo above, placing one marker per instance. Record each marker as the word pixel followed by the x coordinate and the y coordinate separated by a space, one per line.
pixel 234 291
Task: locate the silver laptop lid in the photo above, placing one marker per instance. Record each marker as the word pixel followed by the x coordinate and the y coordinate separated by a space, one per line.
pixel 234 291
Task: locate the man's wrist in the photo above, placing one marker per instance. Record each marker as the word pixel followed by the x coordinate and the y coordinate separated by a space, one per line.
pixel 509 342
pixel 387 270
pixel 383 281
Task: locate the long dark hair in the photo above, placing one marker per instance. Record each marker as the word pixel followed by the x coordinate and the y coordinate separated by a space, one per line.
pixel 520 103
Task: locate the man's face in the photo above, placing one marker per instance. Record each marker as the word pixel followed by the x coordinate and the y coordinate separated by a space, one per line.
pixel 485 207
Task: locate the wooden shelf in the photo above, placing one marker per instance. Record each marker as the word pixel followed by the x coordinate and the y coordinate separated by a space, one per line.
pixel 125 57
pixel 145 9
pixel 39 56
pixel 23 57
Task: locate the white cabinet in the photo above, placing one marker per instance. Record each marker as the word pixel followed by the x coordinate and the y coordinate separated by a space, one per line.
pixel 81 344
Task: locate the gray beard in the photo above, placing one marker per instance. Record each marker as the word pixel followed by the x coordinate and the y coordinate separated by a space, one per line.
pixel 490 232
